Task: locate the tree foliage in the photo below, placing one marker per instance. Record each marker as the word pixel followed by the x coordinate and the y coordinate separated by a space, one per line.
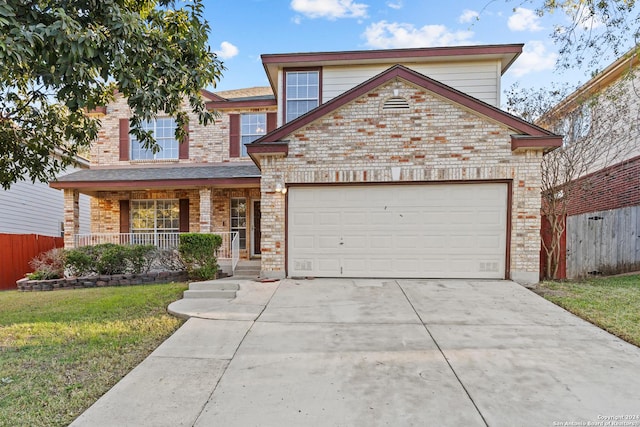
pixel 62 59
pixel 590 31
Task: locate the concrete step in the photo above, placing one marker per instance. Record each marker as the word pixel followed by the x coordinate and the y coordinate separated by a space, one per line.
pixel 214 286
pixel 212 289
pixel 246 274
pixel 209 294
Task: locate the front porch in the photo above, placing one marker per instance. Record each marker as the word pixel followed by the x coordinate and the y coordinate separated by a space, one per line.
pixel 155 204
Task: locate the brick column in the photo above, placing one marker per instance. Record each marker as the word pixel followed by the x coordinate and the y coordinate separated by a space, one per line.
pixel 71 217
pixel 205 210
pixel 272 205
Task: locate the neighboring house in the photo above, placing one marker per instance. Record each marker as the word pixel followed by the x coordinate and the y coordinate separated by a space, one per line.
pixel 27 211
pixel 382 163
pixel 603 210
pixel 35 208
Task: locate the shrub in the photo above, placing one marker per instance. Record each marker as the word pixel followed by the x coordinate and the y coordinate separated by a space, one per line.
pixel 108 258
pixel 198 254
pixel 169 259
pixel 48 265
pixel 141 257
pixel 111 258
pixel 80 261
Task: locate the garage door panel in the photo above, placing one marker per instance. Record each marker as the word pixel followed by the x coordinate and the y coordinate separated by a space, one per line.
pixel 301 242
pixel 303 219
pixel 452 230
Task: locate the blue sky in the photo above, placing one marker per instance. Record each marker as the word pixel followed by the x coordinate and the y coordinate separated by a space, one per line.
pixel 242 30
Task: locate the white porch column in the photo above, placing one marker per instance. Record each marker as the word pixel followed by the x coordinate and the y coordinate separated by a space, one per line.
pixel 71 217
pixel 205 210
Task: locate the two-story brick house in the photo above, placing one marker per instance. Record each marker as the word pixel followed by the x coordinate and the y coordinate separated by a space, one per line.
pixel 385 163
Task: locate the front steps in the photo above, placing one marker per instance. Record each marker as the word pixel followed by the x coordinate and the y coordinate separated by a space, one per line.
pixel 246 269
pixel 212 289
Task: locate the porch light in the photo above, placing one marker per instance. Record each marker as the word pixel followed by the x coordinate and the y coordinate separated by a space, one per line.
pixel 281 189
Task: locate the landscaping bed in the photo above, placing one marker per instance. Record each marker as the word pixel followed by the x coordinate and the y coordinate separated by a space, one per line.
pixel 101 281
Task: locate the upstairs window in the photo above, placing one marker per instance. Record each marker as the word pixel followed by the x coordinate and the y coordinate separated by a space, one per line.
pixel 303 92
pixel 163 130
pixel 252 127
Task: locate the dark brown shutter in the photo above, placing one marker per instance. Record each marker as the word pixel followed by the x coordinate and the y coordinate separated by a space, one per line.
pixel 183 151
pixel 124 140
pixel 124 216
pixel 234 135
pixel 184 215
pixel 272 121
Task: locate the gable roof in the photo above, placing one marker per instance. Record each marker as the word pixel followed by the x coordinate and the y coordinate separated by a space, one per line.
pixel 548 139
pixel 258 96
pixel 617 70
pixel 249 92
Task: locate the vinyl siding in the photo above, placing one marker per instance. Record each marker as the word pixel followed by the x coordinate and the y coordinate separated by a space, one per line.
pixel 28 208
pixel 478 79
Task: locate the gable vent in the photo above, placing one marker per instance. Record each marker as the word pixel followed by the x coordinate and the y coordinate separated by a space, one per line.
pixel 396 103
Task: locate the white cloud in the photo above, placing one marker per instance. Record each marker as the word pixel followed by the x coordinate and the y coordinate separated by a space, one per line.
pixel 534 57
pixel 586 19
pixel 385 35
pixel 227 50
pixel 330 9
pixel 524 20
pixel 395 5
pixel 467 16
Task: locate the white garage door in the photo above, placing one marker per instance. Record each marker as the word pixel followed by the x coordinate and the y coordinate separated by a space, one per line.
pixel 410 231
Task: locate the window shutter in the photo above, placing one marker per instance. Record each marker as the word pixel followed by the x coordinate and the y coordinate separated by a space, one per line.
pixel 183 149
pixel 234 135
pixel 184 216
pixel 272 121
pixel 124 140
pixel 124 216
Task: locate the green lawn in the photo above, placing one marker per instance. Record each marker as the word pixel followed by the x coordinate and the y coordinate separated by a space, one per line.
pixel 612 303
pixel 60 351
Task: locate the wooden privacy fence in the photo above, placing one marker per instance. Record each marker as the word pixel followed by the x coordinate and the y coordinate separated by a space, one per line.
pixel 16 250
pixel 605 242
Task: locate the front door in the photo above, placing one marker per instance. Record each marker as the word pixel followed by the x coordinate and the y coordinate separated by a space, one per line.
pixel 255 225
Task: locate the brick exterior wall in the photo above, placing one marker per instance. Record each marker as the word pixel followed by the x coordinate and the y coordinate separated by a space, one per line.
pixel 105 209
pixel 433 141
pixel 208 144
pixel 209 208
pixel 615 187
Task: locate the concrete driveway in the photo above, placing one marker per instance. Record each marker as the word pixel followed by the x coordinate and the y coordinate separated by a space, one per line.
pixel 338 352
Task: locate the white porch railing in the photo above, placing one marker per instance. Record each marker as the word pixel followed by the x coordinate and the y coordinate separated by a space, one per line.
pixel 228 251
pixel 159 240
pixel 230 248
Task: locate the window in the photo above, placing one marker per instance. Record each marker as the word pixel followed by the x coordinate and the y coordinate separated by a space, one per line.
pixel 155 216
pixel 575 125
pixel 163 131
pixel 303 88
pixel 239 220
pixel 252 127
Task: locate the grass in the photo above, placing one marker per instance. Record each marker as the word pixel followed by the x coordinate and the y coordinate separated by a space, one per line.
pixel 60 351
pixel 612 303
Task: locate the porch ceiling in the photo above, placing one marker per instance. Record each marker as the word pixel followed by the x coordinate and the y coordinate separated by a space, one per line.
pixel 183 176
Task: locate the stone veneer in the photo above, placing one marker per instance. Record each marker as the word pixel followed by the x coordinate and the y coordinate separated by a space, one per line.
pixel 435 140
pixel 102 281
